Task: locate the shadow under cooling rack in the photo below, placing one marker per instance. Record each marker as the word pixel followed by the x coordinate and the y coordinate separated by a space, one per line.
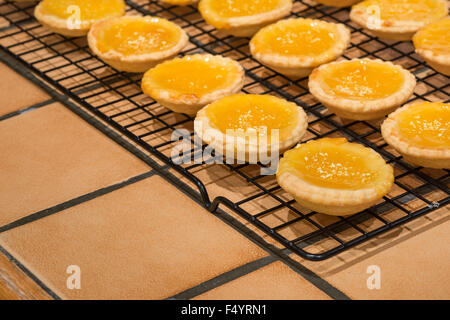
pixel 115 97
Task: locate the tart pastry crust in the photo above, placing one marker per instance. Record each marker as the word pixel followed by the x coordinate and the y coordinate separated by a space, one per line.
pixel 338 3
pixel 241 24
pixel 72 28
pixel 308 51
pixel 189 100
pixel 433 43
pixel 321 193
pixel 144 56
pixel 241 147
pixel 357 104
pixel 397 19
pixel 436 155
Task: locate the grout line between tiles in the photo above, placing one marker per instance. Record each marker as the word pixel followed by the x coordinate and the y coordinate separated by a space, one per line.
pixel 27 109
pixel 74 202
pixel 29 273
pixel 223 278
pixel 164 173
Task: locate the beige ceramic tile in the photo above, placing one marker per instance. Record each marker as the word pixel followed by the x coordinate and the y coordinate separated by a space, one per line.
pixel 50 155
pixel 147 240
pixel 414 262
pixel 273 282
pixel 17 92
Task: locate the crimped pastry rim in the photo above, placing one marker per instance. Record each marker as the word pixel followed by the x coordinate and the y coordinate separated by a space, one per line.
pixel 219 22
pixel 164 95
pixel 363 106
pixel 440 59
pixel 300 61
pixel 393 138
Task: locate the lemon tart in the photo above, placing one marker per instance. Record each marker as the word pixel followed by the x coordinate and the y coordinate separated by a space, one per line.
pixel 337 3
pixel 187 84
pixel 361 89
pixel 135 43
pixel 433 44
pixel 294 47
pixel 334 176
pixel 247 126
pixel 243 18
pixel 397 19
pixel 420 132
pixel 74 18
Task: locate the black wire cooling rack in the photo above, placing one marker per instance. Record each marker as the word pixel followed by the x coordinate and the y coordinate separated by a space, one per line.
pixel 115 97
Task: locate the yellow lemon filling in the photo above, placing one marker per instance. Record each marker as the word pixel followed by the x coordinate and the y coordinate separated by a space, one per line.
pixel 262 113
pixel 239 8
pixel 87 9
pixel 434 37
pixel 295 37
pixel 334 163
pixel 192 75
pixel 362 79
pixel 406 10
pixel 426 125
pixel 133 35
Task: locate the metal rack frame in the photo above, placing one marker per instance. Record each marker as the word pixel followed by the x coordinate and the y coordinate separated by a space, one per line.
pixel 68 65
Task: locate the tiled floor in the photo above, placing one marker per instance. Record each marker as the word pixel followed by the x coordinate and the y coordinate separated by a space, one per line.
pixel 275 281
pixel 412 262
pixel 17 92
